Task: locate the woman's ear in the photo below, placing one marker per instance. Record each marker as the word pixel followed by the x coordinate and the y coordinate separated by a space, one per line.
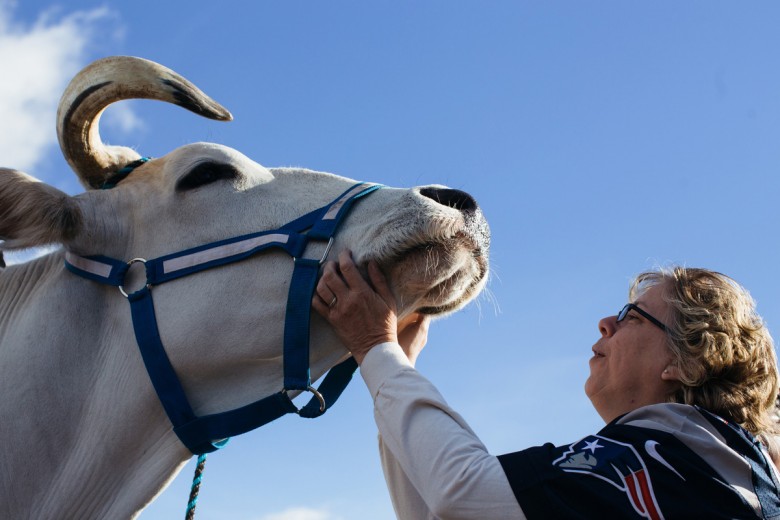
pixel 671 373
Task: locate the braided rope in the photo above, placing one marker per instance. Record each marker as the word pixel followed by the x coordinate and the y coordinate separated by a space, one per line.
pixel 190 515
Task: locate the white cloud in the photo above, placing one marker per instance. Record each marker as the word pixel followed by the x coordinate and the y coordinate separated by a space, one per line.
pixel 38 60
pixel 301 513
pixel 122 117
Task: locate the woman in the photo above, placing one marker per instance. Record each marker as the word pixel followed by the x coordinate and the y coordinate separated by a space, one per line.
pixel 685 376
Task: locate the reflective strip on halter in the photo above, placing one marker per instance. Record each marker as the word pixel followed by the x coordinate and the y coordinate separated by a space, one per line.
pixel 98 268
pixel 89 265
pixel 334 209
pixel 220 252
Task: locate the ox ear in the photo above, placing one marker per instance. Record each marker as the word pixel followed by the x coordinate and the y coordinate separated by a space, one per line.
pixel 33 213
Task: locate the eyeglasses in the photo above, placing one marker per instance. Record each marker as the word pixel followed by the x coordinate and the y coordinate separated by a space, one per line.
pixel 630 306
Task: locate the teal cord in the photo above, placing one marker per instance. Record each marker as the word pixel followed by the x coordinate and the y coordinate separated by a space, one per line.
pixel 117 176
pixel 190 515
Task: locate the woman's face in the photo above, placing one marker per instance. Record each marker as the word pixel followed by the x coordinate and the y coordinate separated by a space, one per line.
pixel 628 363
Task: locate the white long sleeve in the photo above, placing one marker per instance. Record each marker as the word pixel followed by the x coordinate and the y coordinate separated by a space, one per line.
pixel 407 502
pixel 435 465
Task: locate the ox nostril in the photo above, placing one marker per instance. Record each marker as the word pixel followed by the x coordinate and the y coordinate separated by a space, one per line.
pixel 456 199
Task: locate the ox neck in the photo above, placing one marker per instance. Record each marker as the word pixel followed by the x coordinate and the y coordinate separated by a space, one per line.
pixel 91 395
pixel 207 433
pixel 17 280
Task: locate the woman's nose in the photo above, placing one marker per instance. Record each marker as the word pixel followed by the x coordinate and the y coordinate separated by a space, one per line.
pixel 608 325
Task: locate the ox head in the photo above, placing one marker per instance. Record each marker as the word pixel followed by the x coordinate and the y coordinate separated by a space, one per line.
pixel 432 242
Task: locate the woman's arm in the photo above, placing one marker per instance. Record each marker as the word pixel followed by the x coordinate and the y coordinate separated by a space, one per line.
pixel 442 457
pixel 428 443
pixel 407 502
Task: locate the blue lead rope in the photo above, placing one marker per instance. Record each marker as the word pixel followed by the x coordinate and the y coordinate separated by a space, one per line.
pixel 195 489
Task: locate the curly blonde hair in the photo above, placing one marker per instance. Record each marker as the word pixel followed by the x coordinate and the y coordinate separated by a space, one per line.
pixel 721 345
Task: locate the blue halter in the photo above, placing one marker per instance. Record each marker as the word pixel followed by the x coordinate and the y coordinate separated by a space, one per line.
pixel 208 433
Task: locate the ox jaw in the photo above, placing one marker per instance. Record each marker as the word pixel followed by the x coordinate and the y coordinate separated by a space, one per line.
pixel 437 278
pixel 439 268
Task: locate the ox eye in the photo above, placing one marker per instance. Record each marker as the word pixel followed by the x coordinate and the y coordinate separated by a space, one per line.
pixel 206 173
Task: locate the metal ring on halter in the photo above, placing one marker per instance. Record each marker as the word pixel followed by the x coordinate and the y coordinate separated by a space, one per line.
pixel 131 262
pixel 324 255
pixel 316 393
pixel 327 250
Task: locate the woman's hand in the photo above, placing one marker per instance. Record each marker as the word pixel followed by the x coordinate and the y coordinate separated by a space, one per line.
pixel 362 316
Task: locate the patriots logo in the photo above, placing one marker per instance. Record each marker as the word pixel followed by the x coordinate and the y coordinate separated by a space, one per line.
pixel 616 463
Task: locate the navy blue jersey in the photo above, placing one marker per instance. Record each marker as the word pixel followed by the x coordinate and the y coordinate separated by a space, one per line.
pixel 661 461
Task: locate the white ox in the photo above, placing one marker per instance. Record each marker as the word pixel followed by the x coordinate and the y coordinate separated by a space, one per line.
pixel 83 433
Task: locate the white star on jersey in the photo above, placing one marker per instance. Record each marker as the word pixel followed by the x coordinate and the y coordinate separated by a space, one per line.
pixel 592 446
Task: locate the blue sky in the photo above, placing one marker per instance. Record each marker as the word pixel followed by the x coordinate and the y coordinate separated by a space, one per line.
pixel 600 138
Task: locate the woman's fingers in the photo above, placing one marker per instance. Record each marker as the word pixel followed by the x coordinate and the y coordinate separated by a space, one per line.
pixel 340 279
pixel 319 305
pixel 354 280
pixel 329 278
pixel 349 272
pixel 328 288
pixel 379 282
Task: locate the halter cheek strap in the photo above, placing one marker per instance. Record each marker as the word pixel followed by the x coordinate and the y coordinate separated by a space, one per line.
pixel 204 434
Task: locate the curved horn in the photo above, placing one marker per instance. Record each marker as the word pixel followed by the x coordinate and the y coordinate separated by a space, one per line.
pixel 104 82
